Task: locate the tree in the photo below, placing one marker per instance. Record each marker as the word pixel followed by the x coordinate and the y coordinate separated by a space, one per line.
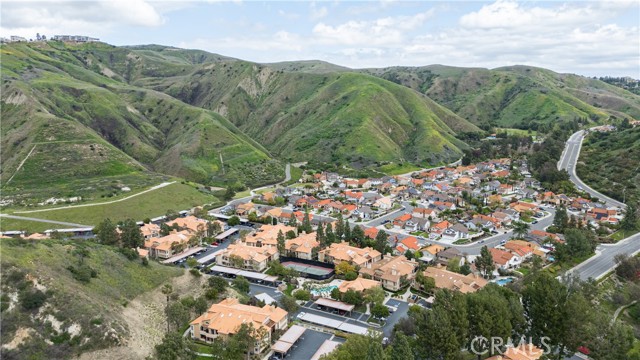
pixel 236 261
pixel 320 236
pixel 336 294
pixel 289 304
pixel 579 242
pixel 106 232
pixel 329 234
pixel 520 229
pixel 229 193
pixel 550 308
pixel 306 223
pixel 339 230
pixel 242 284
pixel 293 221
pixel 630 220
pixel 375 352
pixel 628 266
pixel 465 269
pixel 218 283
pixel 351 275
pixel 561 218
pixel 455 306
pixel 426 283
pixel 131 236
pixel 352 297
pixel 401 349
pixel 281 242
pixel 347 231
pixel 302 295
pixel 381 241
pixel 374 295
pixel 436 336
pixel 192 262
pixel 454 264
pixel 177 314
pixel 291 234
pixel 355 348
pixel 175 347
pixel 484 263
pixel 200 305
pixel 488 318
pixel 408 254
pixel 344 267
pixel 380 311
pixel 233 221
pixel 357 234
pixel 213 228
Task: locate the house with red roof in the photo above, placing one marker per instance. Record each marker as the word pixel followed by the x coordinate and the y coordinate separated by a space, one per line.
pixel 505 260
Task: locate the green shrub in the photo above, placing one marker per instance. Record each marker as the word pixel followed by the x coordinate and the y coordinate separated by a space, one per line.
pixel 32 299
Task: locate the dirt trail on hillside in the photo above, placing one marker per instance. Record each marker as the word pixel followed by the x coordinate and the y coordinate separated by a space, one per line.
pixel 145 319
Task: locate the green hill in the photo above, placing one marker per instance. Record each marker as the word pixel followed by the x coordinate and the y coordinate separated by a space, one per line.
pixel 82 124
pixel 49 314
pixel 316 111
pixel 516 96
pixel 610 163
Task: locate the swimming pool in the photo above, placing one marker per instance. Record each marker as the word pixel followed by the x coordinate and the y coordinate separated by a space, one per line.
pixel 323 291
pixel 504 281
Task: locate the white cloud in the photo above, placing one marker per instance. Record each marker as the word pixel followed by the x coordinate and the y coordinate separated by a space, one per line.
pixel 317 12
pixel 24 18
pixel 288 15
pixel 382 31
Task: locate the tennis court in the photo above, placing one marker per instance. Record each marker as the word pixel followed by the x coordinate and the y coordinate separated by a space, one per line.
pixel 307 269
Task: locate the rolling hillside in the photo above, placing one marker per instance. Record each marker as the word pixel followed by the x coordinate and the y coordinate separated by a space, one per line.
pixel 610 163
pixel 81 127
pixel 516 96
pixel 305 110
pixel 86 120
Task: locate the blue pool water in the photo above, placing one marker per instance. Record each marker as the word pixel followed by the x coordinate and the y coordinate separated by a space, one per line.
pixel 503 282
pixel 324 289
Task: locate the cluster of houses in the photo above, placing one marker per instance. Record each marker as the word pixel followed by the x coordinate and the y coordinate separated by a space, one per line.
pixel 65 38
pixel 185 232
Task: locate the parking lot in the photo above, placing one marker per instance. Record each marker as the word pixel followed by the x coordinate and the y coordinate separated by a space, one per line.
pixel 354 315
pixel 402 309
pixel 307 345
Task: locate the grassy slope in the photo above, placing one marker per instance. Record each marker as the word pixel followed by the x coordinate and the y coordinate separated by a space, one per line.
pixel 152 204
pixel 344 117
pixel 57 95
pixel 517 95
pixel 612 157
pixel 96 307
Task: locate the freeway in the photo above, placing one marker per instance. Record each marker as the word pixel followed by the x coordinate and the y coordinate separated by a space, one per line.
pixel 568 162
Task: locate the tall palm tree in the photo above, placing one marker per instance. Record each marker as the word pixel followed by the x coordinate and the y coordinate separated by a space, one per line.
pixel 520 229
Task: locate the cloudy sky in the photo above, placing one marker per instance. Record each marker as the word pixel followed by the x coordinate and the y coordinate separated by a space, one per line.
pixel 591 38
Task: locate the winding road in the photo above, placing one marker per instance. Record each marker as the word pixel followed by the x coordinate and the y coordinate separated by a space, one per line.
pixel 568 162
pixel 603 262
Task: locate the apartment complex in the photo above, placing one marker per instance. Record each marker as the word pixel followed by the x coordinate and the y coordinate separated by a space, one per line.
pixel 338 252
pixel 223 320
pixel 247 257
pixel 393 272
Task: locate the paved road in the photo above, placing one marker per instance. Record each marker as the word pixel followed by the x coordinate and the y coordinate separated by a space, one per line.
pixel 568 162
pixel 43 220
pixel 603 262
